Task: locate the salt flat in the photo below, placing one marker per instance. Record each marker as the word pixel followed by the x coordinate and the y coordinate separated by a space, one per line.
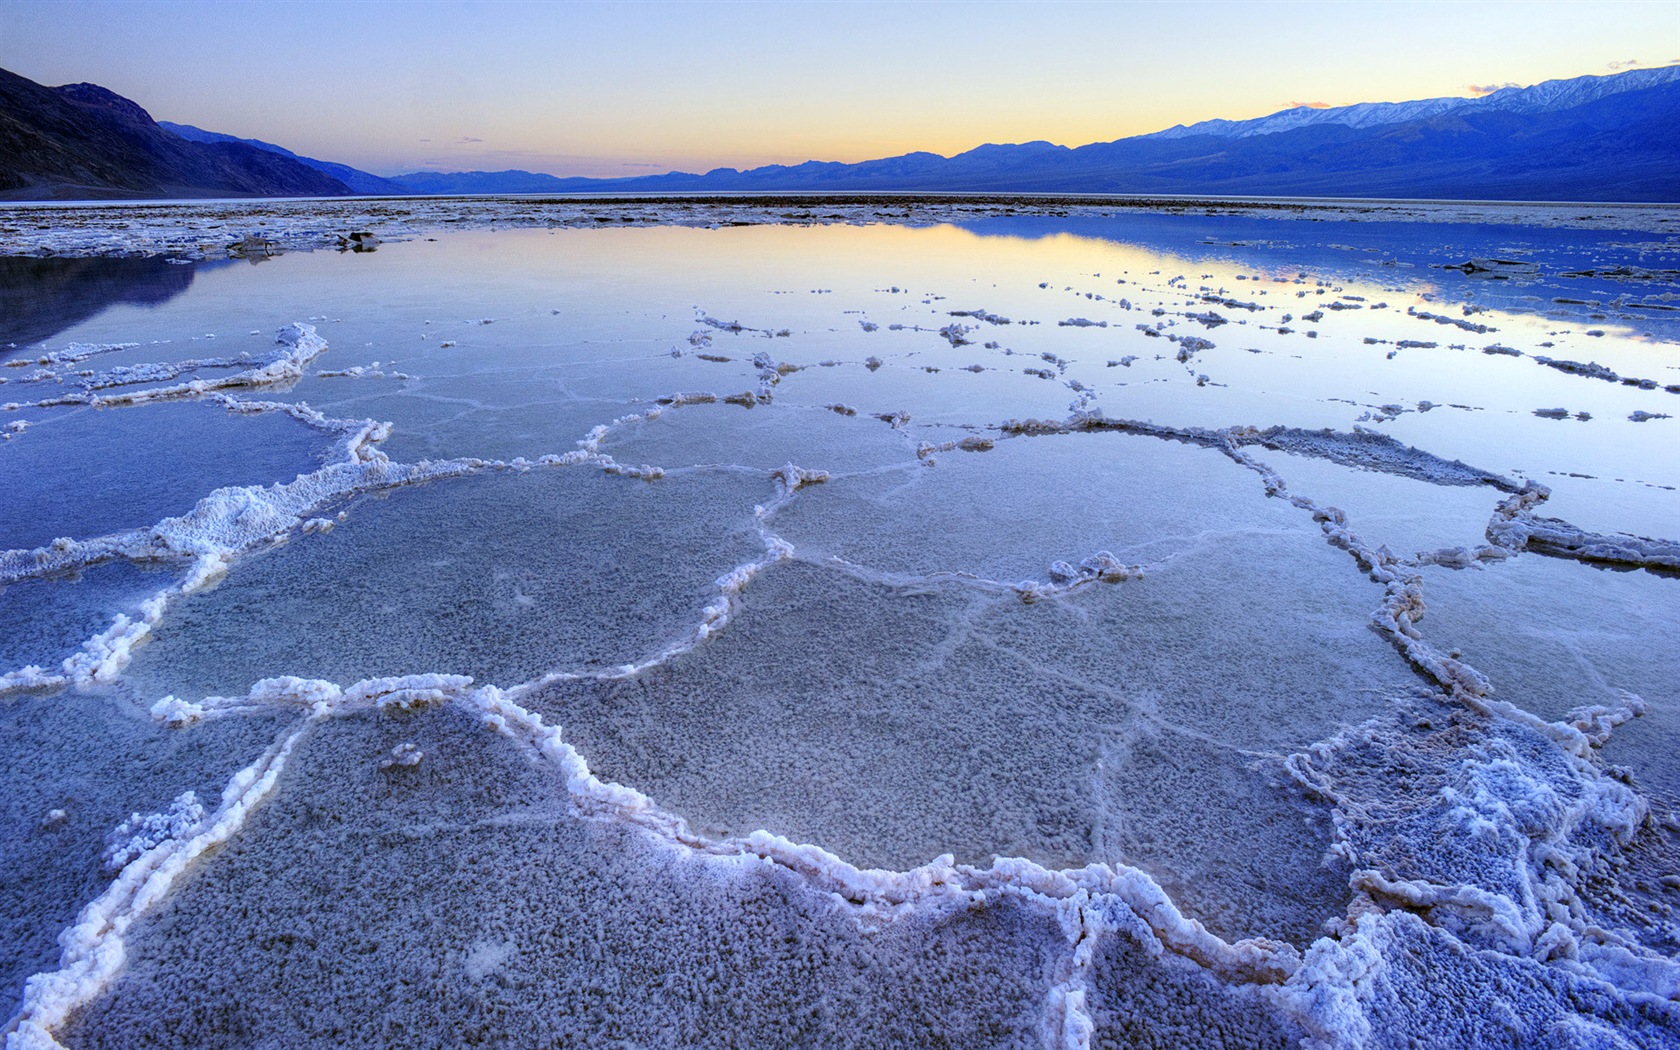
pixel 869 620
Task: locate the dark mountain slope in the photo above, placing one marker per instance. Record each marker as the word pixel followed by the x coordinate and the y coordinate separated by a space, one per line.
pixel 82 141
pixel 358 181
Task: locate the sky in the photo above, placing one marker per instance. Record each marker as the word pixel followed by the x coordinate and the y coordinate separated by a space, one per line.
pixel 628 88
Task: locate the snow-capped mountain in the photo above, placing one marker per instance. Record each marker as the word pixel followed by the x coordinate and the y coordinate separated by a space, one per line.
pixel 1550 95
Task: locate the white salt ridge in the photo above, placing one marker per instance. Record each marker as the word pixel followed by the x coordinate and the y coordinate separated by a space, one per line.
pixel 972 443
pixel 374 371
pixel 1515 527
pixel 75 353
pixel 30 677
pixel 299 345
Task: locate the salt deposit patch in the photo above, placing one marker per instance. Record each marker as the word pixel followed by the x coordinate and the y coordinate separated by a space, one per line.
pixel 464 897
pixel 90 472
pixel 48 619
pixel 74 768
pixel 822 438
pixel 1408 516
pixel 1427 987
pixel 1503 841
pixel 502 576
pixel 1010 513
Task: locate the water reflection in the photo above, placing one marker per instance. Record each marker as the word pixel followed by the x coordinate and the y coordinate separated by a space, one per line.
pixel 1578 276
pixel 41 297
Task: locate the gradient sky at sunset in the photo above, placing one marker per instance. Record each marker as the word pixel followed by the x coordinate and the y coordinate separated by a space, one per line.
pixel 629 88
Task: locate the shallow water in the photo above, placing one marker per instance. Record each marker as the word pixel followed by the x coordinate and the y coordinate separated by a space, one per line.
pixel 1038 630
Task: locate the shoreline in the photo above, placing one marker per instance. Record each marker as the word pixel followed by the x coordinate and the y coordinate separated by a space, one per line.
pixel 201 229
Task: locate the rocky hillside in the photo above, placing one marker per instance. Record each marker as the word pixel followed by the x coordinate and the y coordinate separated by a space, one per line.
pixel 81 142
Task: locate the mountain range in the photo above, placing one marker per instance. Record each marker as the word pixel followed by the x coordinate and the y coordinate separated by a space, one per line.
pixel 82 141
pixel 1598 138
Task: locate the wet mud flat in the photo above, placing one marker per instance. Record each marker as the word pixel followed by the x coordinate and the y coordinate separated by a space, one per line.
pixel 874 620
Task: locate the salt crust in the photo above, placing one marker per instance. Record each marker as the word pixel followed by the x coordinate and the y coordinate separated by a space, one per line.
pixel 198 230
pixel 1330 993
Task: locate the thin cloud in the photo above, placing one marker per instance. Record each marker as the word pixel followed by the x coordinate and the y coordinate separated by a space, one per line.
pixel 1309 105
pixel 1487 89
pixel 1629 64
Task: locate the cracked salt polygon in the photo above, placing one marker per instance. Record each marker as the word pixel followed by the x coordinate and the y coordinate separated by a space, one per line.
pixel 1009 514
pixel 580 570
pixel 657 941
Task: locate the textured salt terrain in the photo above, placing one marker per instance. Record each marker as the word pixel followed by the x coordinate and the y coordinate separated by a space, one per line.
pixel 960 622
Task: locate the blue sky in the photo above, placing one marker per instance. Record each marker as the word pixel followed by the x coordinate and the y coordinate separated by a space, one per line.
pixel 627 88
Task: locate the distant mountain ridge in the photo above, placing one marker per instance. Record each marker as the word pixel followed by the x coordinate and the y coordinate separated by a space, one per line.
pixel 1609 138
pixel 1549 95
pixel 359 181
pixel 1594 138
pixel 82 141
